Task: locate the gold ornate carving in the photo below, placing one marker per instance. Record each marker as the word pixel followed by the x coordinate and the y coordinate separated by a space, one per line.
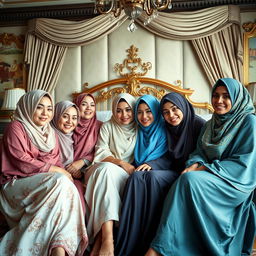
pixel 131 81
pixel 132 64
pixel 248 26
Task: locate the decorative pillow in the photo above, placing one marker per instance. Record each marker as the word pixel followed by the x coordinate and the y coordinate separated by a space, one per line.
pixel 104 115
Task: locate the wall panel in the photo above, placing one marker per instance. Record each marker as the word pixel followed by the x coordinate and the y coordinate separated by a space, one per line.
pixel 122 39
pixel 70 76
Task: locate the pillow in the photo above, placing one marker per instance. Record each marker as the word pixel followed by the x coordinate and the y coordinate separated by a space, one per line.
pixel 206 117
pixel 104 115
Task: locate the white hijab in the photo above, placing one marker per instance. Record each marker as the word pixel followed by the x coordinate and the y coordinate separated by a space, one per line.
pixel 116 139
pixel 43 137
pixel 66 140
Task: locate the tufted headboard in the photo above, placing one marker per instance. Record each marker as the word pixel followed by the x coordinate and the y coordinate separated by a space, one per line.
pixel 137 84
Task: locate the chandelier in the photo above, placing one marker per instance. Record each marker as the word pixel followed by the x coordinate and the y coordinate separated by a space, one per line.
pixel 132 8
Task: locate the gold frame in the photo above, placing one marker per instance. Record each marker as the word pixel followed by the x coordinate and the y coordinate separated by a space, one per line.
pixel 250 32
pixel 132 82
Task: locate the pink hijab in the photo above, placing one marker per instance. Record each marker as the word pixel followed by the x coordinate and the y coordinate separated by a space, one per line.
pixel 86 134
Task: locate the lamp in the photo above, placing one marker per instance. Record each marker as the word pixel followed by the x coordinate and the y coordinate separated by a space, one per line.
pixel 11 98
pixel 132 8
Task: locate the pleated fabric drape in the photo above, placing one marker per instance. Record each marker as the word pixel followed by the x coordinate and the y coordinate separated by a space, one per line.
pixel 214 32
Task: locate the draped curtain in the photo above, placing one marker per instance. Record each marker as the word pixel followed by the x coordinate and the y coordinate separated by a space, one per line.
pixel 214 32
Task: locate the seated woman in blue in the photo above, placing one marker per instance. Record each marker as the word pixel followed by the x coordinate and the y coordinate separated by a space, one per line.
pixel 209 209
pixel 160 153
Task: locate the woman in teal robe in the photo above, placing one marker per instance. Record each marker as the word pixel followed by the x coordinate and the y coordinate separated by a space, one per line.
pixel 209 209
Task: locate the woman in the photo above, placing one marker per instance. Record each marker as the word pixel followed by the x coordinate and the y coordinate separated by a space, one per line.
pixel 85 135
pixel 64 122
pixel 160 159
pixel 209 209
pixel 107 177
pixel 37 196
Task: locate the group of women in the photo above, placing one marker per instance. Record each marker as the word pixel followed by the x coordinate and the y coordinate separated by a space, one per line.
pixel 153 180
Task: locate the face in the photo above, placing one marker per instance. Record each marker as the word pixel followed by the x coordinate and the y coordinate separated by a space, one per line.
pixel 44 112
pixel 124 113
pixel 172 114
pixel 221 101
pixel 144 115
pixel 68 121
pixel 87 108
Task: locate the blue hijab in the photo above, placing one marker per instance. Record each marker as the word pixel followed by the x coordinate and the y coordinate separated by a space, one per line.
pixel 221 129
pixel 151 141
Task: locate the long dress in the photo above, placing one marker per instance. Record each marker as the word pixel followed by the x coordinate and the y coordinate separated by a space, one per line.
pixel 105 181
pixel 42 208
pixel 211 212
pixel 145 191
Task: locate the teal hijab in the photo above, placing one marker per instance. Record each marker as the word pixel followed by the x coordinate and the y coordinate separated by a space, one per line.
pixel 151 141
pixel 221 129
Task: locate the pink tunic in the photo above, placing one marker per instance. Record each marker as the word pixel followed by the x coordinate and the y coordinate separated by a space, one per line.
pixel 20 158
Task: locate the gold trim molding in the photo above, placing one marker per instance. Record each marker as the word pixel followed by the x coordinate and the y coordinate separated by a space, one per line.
pixel 250 32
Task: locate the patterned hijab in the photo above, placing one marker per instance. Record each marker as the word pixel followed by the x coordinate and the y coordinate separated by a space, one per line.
pixel 151 141
pixel 181 137
pixel 221 129
pixel 122 138
pixel 66 140
pixel 86 134
pixel 43 137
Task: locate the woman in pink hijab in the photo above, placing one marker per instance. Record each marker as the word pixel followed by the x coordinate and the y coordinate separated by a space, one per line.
pixel 65 120
pixel 85 135
pixel 37 196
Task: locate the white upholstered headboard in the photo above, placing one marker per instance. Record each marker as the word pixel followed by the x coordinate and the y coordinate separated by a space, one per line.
pixel 133 80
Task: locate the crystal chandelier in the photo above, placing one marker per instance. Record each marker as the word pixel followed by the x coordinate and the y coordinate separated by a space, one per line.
pixel 132 8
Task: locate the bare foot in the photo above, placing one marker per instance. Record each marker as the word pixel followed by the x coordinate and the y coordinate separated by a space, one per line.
pixel 152 252
pixel 107 248
pixel 96 247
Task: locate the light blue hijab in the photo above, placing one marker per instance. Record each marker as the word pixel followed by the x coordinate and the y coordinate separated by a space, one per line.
pixel 152 140
pixel 221 129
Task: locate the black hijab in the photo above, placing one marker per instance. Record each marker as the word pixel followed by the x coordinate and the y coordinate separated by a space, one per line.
pixel 183 137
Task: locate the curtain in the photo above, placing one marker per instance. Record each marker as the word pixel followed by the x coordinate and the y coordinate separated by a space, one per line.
pixel 193 25
pixel 47 41
pixel 214 33
pixel 221 54
pixel 45 62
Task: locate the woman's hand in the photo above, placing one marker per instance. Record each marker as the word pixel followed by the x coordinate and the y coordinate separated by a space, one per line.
pixel 127 167
pixel 143 167
pixel 54 168
pixel 75 168
pixel 194 167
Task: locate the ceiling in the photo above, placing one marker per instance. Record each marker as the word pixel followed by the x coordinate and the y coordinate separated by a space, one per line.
pixel 47 3
pixel 18 12
pixel 36 3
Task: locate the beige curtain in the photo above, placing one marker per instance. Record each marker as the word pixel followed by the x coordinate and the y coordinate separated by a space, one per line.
pixel 214 33
pixel 193 25
pixel 45 62
pixel 47 41
pixel 221 54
